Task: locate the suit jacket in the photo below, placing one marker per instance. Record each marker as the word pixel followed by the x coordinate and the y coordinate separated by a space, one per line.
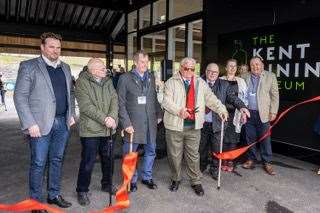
pixel 226 95
pixel 267 94
pixel 140 116
pixel 34 97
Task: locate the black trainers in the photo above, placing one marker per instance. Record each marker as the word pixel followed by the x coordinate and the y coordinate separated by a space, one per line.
pixel 83 198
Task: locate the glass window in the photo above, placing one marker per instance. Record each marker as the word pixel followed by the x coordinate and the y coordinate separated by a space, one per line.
pixel 176 45
pixel 119 48
pixel 155 45
pixel 118 62
pixel 132 47
pixel 154 42
pixel 195 42
pixel 179 8
pixel 159 12
pixel 144 17
pixel 132 21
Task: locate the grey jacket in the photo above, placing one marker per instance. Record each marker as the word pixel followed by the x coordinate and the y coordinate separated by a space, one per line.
pixel 34 97
pixel 140 116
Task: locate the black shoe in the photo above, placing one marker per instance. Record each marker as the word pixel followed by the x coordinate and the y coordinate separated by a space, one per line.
pixel 83 198
pixel 39 211
pixel 59 201
pixel 214 173
pixel 133 187
pixel 174 186
pixel 106 188
pixel 198 189
pixel 203 168
pixel 149 183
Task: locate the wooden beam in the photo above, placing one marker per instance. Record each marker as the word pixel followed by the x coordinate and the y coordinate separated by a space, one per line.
pixel 55 12
pixel 88 17
pixel 7 10
pixel 18 9
pixel 80 16
pixel 108 17
pixel 95 18
pixel 37 12
pixel 63 13
pixel 46 13
pixel 72 16
pixel 27 11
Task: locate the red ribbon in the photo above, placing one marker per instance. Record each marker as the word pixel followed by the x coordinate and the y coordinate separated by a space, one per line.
pixel 233 154
pixel 28 205
pixel 122 198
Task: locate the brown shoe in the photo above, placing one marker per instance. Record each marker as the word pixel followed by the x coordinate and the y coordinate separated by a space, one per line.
pixel 249 164
pixel 268 168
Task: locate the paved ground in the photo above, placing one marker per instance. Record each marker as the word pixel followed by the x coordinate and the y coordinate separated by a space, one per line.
pixel 295 188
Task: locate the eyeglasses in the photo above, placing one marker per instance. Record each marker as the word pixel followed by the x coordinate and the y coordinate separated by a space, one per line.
pixel 188 69
pixel 213 71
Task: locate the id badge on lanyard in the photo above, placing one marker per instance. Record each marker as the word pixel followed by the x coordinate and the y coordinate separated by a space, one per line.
pixel 142 100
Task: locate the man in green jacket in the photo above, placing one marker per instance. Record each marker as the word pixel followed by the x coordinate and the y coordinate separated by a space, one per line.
pixel 98 104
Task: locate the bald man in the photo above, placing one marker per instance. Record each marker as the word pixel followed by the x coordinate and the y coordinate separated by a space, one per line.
pixel 210 133
pixel 98 104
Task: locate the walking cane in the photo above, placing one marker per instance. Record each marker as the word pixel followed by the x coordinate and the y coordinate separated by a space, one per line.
pixel 130 148
pixel 220 161
pixel 111 169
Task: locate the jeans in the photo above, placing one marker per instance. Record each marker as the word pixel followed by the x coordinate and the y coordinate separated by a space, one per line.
pixel 254 130
pixel 148 157
pixel 90 147
pixel 51 147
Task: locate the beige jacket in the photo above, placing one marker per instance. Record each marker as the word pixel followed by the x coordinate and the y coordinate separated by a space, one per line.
pixel 267 94
pixel 175 99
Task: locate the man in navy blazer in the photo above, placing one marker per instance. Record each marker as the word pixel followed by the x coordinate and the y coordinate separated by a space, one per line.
pixel 44 101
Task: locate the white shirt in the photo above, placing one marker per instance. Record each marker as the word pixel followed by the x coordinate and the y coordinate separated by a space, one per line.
pixel 53 64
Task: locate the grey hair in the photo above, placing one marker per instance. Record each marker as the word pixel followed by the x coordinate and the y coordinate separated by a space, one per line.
pixel 186 60
pixel 211 64
pixel 92 61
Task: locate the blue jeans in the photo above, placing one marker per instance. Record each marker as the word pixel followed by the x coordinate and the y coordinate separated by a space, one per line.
pixel 148 157
pixel 90 147
pixel 254 129
pixel 49 147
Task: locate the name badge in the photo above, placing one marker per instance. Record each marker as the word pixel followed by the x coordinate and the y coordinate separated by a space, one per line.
pixel 142 100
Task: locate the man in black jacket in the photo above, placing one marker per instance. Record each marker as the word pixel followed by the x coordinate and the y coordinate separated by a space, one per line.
pixel 210 133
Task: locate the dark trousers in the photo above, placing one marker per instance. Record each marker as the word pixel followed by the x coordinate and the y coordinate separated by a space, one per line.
pixel 254 130
pixel 90 147
pixel 209 142
pixel 231 138
pixel 3 96
pixel 49 148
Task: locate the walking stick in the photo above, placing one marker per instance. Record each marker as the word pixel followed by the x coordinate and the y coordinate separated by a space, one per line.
pixel 110 143
pixel 130 148
pixel 220 161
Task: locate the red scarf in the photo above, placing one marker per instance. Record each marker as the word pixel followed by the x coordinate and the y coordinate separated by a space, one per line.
pixel 191 100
